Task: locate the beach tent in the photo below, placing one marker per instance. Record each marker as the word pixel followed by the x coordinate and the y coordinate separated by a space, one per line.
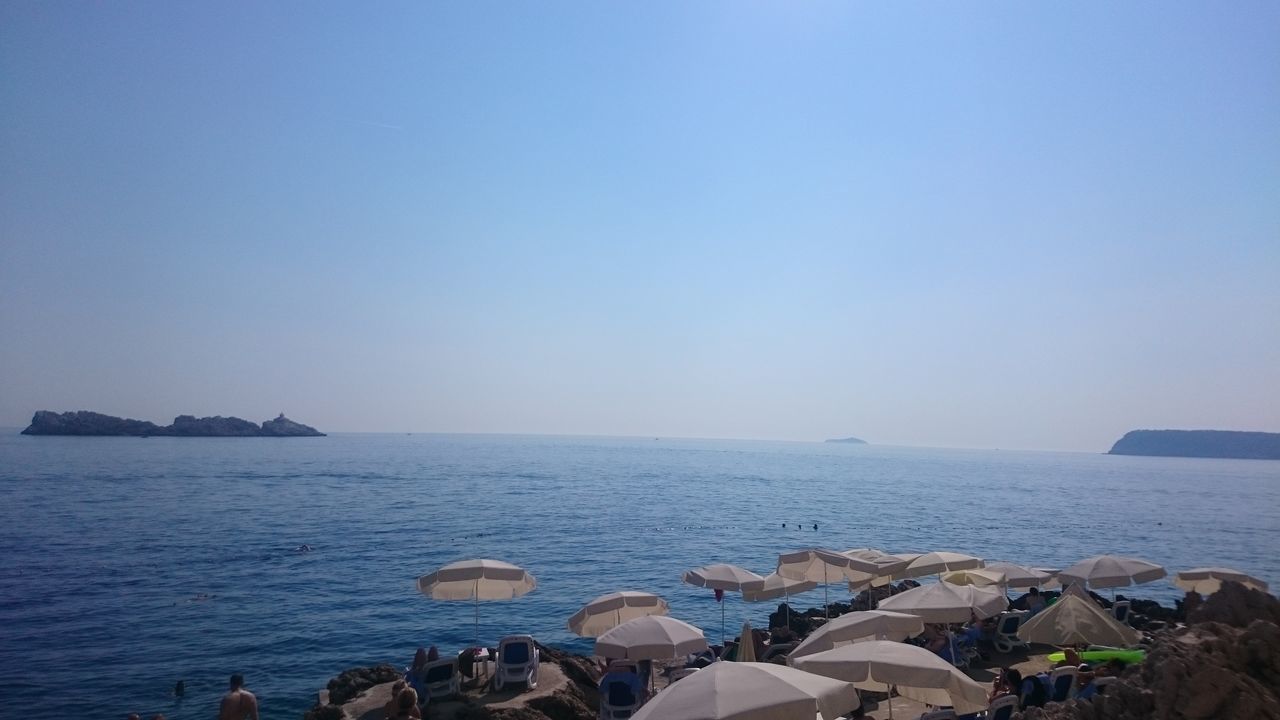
pixel 1076 619
pixel 477 580
pixel 725 578
pixel 751 691
pixel 652 637
pixel 936 563
pixel 918 674
pixel 1111 571
pixel 1207 581
pixel 609 611
pixel 947 603
pixel 824 566
pixel 858 626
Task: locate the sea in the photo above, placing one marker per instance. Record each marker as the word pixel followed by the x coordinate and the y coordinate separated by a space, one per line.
pixel 128 564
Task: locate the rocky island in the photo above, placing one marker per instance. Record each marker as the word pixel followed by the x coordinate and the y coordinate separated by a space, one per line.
pixel 848 440
pixel 83 422
pixel 1200 444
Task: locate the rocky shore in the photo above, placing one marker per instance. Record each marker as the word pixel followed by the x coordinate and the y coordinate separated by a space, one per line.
pixel 1223 662
pixel 83 422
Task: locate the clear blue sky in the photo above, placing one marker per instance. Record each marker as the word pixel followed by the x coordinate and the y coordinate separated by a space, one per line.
pixel 1016 225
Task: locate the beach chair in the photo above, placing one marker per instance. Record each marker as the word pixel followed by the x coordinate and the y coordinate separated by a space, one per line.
pixel 680 674
pixel 517 662
pixel 442 678
pixel 1062 683
pixel 619 700
pixel 1003 708
pixel 1007 624
pixel 774 652
pixel 940 715
pixel 1120 611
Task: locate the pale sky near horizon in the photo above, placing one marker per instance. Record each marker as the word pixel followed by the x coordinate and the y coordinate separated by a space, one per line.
pixel 1015 225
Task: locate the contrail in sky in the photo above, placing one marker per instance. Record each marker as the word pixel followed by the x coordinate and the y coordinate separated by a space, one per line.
pixel 381 125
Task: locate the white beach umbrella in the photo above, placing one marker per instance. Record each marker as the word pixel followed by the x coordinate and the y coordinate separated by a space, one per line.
pixel 982 577
pixel 887 565
pixel 1076 619
pixel 477 580
pixel 1111 571
pixel 936 563
pixel 751 691
pixel 776 586
pixel 859 626
pixel 746 644
pixel 947 603
pixel 824 566
pixel 1052 582
pixel 917 674
pixel 725 578
pixel 609 611
pixel 1020 576
pixel 1207 581
pixel 652 637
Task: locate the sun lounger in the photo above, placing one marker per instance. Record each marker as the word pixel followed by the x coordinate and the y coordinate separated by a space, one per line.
pixel 1003 708
pixel 940 715
pixel 779 650
pixel 621 694
pixel 517 662
pixel 1007 624
pixel 442 678
pixel 1062 683
pixel 1120 611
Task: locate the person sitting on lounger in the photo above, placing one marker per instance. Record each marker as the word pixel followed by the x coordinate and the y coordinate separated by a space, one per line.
pixel 1035 603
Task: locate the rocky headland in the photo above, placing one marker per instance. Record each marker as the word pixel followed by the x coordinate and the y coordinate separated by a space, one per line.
pixel 83 422
pixel 1199 444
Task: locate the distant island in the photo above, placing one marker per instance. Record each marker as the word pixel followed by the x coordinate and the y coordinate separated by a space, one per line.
pixel 84 422
pixel 848 440
pixel 1200 444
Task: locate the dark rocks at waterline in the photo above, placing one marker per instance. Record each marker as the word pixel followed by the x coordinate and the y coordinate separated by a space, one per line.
pixel 351 683
pixel 86 423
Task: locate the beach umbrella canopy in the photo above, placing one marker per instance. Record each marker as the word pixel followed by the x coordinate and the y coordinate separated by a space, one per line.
pixel 947 603
pixel 776 586
pixel 935 563
pixel 1020 576
pixel 1111 571
pixel 866 553
pixel 1207 581
pixel 477 580
pixel 751 691
pixel 652 637
pixel 824 566
pixel 918 674
pixel 609 611
pixel 723 576
pixel 1076 619
pixel 858 626
pixel 982 577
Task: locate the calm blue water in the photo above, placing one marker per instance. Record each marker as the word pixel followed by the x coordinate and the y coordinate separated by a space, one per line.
pixel 111 546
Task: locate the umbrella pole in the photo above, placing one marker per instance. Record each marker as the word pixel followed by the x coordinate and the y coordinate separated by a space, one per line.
pixel 826 605
pixel 477 604
pixel 722 620
pixel 888 700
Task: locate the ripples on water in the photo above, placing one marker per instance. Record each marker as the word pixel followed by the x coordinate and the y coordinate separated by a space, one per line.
pixel 129 564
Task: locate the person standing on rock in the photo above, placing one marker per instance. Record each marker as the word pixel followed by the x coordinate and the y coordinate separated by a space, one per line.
pixel 238 703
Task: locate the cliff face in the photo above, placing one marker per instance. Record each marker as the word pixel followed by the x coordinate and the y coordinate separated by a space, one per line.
pixel 91 423
pixel 1200 443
